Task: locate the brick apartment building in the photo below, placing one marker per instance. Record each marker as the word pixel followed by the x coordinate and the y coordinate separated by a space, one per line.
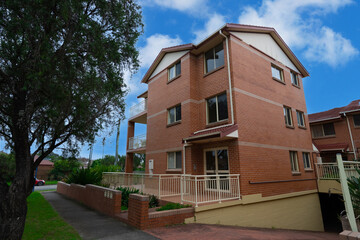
pixel 233 104
pixel 337 131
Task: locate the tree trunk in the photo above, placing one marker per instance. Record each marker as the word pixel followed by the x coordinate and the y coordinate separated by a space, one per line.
pixel 117 143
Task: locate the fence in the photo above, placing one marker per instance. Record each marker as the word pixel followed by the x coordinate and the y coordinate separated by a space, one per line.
pixel 138 108
pixel 194 189
pixel 330 171
pixel 137 142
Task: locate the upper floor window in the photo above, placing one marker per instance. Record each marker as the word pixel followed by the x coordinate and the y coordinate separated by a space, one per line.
pixel 294 79
pixel 356 120
pixel 306 159
pixel 214 58
pixel 294 161
pixel 217 108
pixel 323 130
pixel 174 71
pixel 288 116
pixel 174 114
pixel 277 73
pixel 174 160
pixel 300 118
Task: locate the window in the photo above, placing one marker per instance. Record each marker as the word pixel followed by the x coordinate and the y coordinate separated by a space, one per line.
pixel 277 73
pixel 174 71
pixel 356 120
pixel 174 160
pixel 300 118
pixel 288 116
pixel 174 114
pixel 323 130
pixel 294 79
pixel 214 58
pixel 294 161
pixel 306 159
pixel 217 108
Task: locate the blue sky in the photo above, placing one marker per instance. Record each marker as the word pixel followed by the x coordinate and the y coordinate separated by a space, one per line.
pixel 323 34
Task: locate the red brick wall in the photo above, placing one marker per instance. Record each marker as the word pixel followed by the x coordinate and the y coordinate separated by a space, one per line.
pixel 102 199
pixel 43 172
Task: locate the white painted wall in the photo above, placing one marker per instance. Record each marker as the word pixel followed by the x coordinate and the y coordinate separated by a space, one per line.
pixel 265 43
pixel 168 59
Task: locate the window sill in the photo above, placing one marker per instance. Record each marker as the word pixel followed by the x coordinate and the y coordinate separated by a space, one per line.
pixel 330 136
pixel 214 124
pixel 177 170
pixel 309 170
pixel 291 127
pixel 278 80
pixel 214 70
pixel 173 124
pixel 301 127
pixel 296 173
pixel 173 79
pixel 297 86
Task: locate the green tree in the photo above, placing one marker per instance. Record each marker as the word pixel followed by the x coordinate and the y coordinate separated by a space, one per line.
pixel 63 167
pixel 106 161
pixel 61 81
pixel 7 166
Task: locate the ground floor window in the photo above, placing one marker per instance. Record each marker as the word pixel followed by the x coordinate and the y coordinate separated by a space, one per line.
pixel 174 160
pixel 294 161
pixel 306 159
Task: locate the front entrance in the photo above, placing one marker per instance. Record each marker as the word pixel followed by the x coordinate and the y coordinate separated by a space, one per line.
pixel 217 163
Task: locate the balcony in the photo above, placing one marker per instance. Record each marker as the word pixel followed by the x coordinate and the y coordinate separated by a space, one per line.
pixel 137 143
pixel 191 189
pixel 138 112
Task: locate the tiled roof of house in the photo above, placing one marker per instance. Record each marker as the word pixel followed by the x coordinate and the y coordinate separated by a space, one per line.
pixel 334 113
pixel 221 132
pixel 44 162
pixel 333 146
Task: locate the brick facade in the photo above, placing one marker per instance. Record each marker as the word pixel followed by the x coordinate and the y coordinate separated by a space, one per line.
pixel 260 154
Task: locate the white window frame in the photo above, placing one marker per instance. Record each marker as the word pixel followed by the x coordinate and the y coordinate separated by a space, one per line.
pixel 273 66
pixel 302 116
pixel 307 161
pixel 174 164
pixel 295 79
pixel 215 67
pixel 285 116
pixel 217 109
pixel 174 66
pixel 294 164
pixel 175 121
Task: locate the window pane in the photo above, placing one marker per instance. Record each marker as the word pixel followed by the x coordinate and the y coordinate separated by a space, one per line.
pixel 294 79
pixel 219 55
pixel 293 161
pixel 211 107
pixel 210 160
pixel 222 160
pixel 171 72
pixel 300 118
pixel 306 158
pixel 276 73
pixel 178 113
pixel 178 159
pixel 317 131
pixel 287 115
pixel 171 115
pixel 171 160
pixel 222 107
pixel 357 120
pixel 178 68
pixel 209 58
pixel 329 129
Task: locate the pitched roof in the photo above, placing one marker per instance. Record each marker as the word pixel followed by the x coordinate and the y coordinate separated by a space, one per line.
pixel 217 132
pixel 226 28
pixel 332 147
pixel 334 113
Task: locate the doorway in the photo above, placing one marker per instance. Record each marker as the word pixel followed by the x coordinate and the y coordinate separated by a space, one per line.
pixel 217 163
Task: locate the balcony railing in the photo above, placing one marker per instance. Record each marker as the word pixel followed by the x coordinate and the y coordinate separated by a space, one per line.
pixel 138 108
pixel 330 171
pixel 137 142
pixel 194 189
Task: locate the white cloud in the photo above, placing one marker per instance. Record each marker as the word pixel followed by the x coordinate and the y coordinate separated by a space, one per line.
pixel 214 23
pixel 188 6
pixel 299 24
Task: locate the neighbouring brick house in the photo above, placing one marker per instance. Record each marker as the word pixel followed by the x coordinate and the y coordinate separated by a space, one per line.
pixel 44 169
pixel 232 105
pixel 337 131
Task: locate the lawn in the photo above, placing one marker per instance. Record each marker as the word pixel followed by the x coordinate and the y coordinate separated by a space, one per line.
pixel 51 182
pixel 42 222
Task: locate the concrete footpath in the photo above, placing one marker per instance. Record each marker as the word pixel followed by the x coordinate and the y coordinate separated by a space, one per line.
pixel 91 224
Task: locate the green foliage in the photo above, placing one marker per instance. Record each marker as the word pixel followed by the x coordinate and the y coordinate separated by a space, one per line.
pixel 63 167
pixel 354 188
pixel 153 201
pixel 42 222
pixel 106 161
pixel 111 168
pixel 170 206
pixel 85 176
pixel 7 166
pixel 139 162
pixel 125 193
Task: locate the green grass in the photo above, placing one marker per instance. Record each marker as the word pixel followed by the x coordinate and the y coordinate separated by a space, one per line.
pixel 170 206
pixel 51 182
pixel 42 222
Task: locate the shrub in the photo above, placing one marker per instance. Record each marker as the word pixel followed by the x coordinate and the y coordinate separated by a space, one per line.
pixel 170 206
pixel 63 167
pixel 125 193
pixel 84 176
pixel 354 189
pixel 153 201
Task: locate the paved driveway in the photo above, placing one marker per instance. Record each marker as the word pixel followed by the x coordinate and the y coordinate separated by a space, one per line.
pixel 91 224
pixel 45 187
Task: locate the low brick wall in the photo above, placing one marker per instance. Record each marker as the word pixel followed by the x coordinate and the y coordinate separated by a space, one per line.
pixel 101 199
